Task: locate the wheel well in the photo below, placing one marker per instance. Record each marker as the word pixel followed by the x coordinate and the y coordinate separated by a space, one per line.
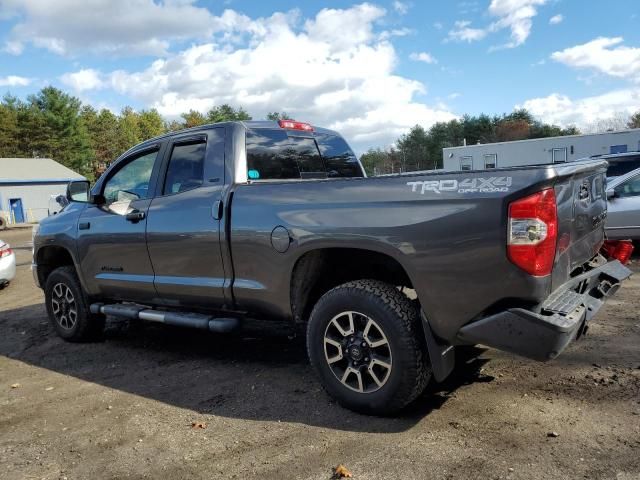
pixel 318 271
pixel 50 258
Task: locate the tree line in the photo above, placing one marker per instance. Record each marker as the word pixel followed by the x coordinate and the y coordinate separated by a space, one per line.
pixel 421 149
pixel 54 124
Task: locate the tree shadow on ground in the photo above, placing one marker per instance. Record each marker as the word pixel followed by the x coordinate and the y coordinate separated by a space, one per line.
pixel 265 378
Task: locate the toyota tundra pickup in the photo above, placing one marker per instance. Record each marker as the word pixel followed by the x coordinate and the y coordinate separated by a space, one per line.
pixel 220 226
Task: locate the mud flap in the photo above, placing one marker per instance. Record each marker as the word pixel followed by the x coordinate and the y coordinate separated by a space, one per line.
pixel 442 356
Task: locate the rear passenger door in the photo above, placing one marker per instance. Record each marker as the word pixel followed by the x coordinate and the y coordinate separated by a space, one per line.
pixel 183 225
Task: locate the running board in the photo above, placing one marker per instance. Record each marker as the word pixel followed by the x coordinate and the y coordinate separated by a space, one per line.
pixel 191 320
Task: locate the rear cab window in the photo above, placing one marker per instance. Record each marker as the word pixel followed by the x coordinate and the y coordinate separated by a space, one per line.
pixel 279 154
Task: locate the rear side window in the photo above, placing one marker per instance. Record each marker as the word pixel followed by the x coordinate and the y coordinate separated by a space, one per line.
pixel 274 155
pixel 186 167
pixel 630 188
pixel 340 161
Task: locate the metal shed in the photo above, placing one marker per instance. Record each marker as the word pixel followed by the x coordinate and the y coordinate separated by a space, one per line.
pixel 539 150
pixel 27 186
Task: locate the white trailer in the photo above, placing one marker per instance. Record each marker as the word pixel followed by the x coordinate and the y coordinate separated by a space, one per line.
pixel 539 150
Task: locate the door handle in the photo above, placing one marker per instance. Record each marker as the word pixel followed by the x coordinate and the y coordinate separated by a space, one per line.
pixel 217 209
pixel 84 226
pixel 135 216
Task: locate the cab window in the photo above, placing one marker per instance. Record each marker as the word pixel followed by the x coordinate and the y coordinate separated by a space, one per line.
pixel 131 182
pixel 340 161
pixel 186 166
pixel 274 155
pixel 630 188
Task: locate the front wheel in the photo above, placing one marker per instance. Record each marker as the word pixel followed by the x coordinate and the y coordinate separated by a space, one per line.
pixel 365 342
pixel 67 307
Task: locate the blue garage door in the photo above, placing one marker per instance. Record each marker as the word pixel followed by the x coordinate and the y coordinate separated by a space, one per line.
pixel 16 209
pixel 618 149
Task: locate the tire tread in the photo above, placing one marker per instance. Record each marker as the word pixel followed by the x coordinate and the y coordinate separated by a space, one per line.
pixel 416 377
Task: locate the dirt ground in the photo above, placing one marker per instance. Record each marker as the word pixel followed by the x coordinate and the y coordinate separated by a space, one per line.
pixel 124 408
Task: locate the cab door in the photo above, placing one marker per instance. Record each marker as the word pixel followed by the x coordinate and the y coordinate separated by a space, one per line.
pixel 183 226
pixel 111 241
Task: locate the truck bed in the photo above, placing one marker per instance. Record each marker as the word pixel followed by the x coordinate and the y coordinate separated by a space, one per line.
pixel 446 229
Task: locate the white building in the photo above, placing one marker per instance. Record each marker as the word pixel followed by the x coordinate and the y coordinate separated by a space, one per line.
pixel 27 185
pixel 539 150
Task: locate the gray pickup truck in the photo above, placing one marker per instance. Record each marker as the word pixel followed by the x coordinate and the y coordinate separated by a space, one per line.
pixel 219 226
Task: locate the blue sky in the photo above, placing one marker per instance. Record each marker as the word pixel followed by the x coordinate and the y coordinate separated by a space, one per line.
pixel 371 70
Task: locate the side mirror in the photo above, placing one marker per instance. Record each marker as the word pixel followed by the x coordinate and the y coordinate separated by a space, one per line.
pixel 78 191
pixel 611 194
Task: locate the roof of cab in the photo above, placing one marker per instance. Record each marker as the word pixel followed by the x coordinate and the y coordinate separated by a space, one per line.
pixel 249 124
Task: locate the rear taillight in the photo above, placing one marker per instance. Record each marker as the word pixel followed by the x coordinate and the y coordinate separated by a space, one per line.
pixel 5 251
pixel 533 231
pixel 293 125
pixel 618 250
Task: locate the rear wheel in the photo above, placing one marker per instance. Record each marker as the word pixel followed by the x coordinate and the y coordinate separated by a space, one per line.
pixel 366 344
pixel 67 307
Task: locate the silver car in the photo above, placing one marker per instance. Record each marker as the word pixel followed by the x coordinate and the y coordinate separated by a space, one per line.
pixel 623 217
pixel 7 264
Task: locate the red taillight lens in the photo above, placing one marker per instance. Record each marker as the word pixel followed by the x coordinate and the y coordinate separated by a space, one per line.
pixel 533 231
pixel 293 125
pixel 618 250
pixel 5 251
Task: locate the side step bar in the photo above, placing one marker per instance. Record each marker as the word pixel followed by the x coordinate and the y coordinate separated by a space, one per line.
pixel 191 320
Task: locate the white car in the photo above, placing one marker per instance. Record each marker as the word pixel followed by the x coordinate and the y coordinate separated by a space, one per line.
pixel 7 264
pixel 623 216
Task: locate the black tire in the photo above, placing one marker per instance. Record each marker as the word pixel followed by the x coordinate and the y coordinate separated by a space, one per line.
pixel 398 322
pixel 83 326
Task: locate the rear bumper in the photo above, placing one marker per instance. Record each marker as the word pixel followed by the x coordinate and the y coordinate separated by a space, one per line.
pixel 544 332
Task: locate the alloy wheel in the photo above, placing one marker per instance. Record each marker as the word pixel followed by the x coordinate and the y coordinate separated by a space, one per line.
pixel 357 351
pixel 63 305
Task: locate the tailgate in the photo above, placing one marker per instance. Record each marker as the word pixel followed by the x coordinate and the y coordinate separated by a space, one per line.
pixel 582 209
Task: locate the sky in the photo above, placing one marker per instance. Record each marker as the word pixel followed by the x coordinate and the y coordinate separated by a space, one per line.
pixel 369 70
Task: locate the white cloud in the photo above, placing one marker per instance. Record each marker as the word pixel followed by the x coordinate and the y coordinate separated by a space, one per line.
pixel 604 55
pixel 515 15
pixel 310 69
pixel 556 19
pixel 396 32
pixel 423 57
pixel 14 81
pixel 462 32
pixel 401 7
pixel 584 112
pixel 117 27
pixel 86 79
pixel 454 95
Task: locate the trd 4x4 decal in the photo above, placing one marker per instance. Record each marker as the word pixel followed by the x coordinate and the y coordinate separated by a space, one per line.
pixel 467 185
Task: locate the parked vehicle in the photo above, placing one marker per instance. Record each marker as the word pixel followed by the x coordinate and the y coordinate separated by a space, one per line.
pixel 7 264
pixel 214 226
pixel 621 163
pixel 623 216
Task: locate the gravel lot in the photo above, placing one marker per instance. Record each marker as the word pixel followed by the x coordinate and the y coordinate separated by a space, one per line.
pixel 124 408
